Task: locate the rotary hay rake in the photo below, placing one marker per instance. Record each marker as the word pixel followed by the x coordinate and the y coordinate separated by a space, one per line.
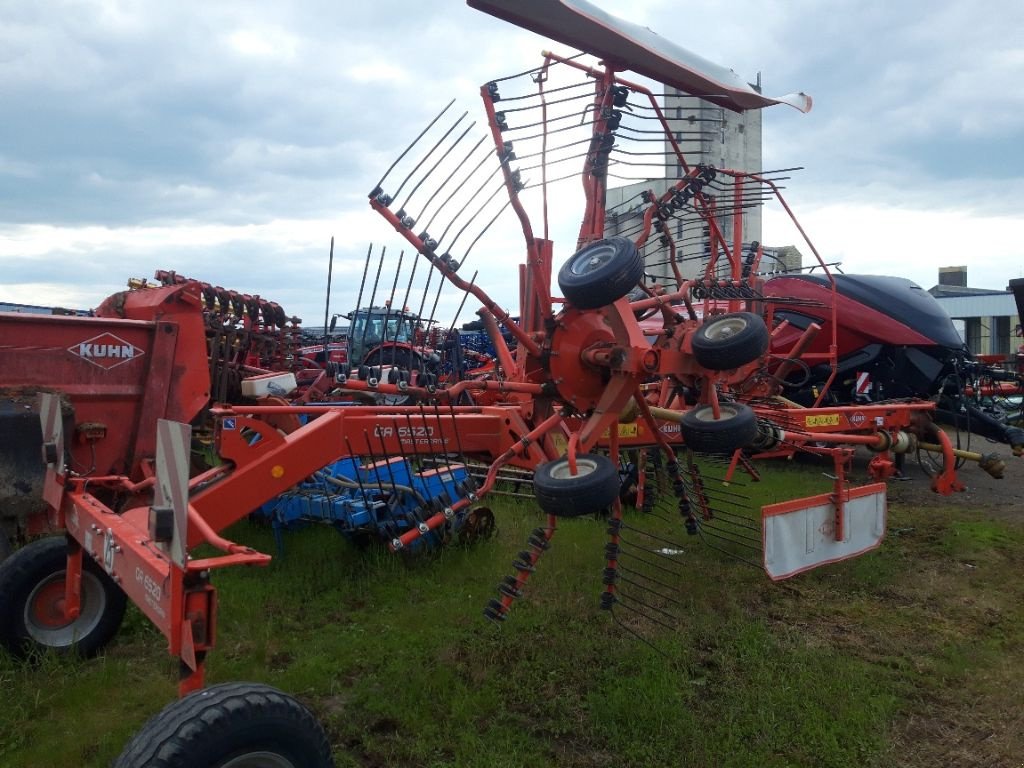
pixel 564 392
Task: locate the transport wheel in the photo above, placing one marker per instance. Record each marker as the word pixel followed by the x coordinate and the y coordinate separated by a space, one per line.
pixel 729 341
pixel 593 488
pixel 32 602
pixel 601 272
pixel 233 725
pixel 703 433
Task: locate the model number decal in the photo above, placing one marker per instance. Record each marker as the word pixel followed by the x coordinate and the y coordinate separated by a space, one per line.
pixel 403 432
pixel 822 420
pixel 149 584
pixel 154 592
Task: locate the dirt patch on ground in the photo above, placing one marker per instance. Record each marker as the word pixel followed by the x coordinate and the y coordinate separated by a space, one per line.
pixel 999 499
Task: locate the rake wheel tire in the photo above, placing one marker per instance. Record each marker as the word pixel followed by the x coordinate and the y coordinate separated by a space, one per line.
pixel 32 598
pixel 233 725
pixel 601 272
pixel 703 433
pixel 728 341
pixel 592 489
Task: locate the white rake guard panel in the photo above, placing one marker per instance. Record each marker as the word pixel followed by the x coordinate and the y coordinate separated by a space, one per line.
pixel 586 27
pixel 800 535
pixel 173 443
pixel 52 422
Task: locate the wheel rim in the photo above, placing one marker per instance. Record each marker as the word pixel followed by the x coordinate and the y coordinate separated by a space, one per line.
pixel 561 471
pixel 592 259
pixel 726 413
pixel 259 760
pixel 44 616
pixel 725 328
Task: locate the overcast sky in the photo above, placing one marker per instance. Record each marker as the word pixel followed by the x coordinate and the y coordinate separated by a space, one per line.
pixel 230 141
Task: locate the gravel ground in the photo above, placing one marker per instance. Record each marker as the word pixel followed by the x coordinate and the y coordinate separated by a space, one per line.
pixel 1002 498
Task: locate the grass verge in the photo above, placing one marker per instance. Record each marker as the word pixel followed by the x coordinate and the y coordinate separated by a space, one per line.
pixel 910 656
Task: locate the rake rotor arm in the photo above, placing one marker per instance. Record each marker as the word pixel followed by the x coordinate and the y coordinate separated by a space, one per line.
pixel 442 265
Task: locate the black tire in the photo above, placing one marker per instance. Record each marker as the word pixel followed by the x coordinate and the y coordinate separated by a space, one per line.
pixel 702 433
pixel 592 489
pixel 242 725
pixel 397 357
pixel 601 272
pixel 31 595
pixel 729 341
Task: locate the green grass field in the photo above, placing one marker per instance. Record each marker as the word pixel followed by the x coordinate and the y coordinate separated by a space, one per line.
pixel 912 655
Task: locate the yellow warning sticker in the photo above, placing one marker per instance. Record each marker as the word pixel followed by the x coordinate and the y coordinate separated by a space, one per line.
pixel 625 430
pixel 822 420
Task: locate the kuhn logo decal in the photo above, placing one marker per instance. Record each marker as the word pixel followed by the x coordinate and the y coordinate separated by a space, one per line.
pixel 106 350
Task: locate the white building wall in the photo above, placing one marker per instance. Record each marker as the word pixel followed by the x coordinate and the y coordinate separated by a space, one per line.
pixel 709 135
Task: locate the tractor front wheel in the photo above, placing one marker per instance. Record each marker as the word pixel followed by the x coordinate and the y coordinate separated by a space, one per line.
pixel 601 272
pixel 233 725
pixel 400 358
pixel 735 428
pixel 593 488
pixel 32 590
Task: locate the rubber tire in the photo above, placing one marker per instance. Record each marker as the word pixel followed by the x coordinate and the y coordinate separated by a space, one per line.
pixel 716 352
pixel 397 357
pixel 210 727
pixel 593 489
pixel 403 358
pixel 27 568
pixel 703 434
pixel 601 272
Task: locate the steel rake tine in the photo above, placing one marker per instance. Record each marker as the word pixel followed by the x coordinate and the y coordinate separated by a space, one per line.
pixel 533 71
pixel 636 635
pixel 373 295
pixel 435 165
pixel 390 306
pixel 458 440
pixel 480 210
pixel 426 288
pixel 484 230
pixel 462 304
pixel 621 594
pixel 408 287
pixel 509 111
pixel 407 149
pixel 458 187
pixel 429 153
pixel 472 197
pixel 649 535
pixel 362 283
pixel 650 563
pixel 645 588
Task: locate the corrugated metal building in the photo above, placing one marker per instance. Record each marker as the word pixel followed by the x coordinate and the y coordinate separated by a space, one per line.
pixel 987 319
